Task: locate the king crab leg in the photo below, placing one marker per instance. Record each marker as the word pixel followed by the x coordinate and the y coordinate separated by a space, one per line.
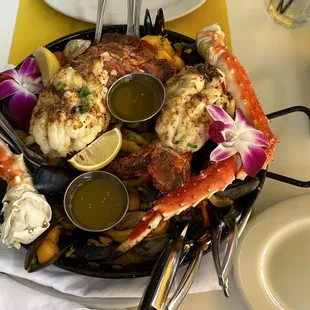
pixel 217 176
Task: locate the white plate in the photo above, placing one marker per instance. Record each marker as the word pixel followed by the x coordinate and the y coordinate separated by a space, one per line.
pixel 116 10
pixel 272 266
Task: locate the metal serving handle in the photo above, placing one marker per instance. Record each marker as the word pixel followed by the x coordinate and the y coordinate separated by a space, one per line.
pixel 99 22
pixel 279 177
pixel 31 156
pixel 158 288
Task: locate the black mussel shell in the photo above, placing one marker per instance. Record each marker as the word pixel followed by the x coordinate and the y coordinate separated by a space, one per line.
pixel 148 25
pixel 190 55
pixel 238 190
pixel 159 27
pixel 130 220
pixel 95 253
pixel 32 251
pixel 148 193
pixel 50 180
pixel 147 250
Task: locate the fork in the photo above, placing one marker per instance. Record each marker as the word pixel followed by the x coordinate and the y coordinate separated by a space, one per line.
pixel 133 17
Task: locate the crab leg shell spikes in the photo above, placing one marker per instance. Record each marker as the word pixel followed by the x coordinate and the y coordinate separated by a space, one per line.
pixel 210 44
pixel 211 180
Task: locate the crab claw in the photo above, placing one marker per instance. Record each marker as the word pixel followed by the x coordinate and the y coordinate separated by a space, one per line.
pixel 211 180
pixel 149 222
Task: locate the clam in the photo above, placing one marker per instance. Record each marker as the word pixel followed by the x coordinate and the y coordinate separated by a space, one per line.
pixel 45 250
pixel 75 48
pixel 50 180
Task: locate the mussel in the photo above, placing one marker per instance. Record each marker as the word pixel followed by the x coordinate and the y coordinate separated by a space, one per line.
pixel 238 190
pixel 45 250
pixel 50 180
pixel 75 48
pixel 148 193
pixel 159 26
pixel 130 220
pixel 148 25
pixel 147 250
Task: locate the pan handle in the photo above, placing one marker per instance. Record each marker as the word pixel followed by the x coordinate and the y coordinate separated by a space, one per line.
pixel 280 177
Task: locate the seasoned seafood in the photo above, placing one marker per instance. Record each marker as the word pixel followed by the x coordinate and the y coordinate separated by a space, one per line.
pixel 167 168
pixel 218 175
pixel 184 120
pixel 71 110
pixel 26 213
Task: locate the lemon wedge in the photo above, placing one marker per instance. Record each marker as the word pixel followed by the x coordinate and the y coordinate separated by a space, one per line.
pixel 99 153
pixel 47 62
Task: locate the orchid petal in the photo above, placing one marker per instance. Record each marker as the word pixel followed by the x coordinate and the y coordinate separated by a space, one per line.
pixel 21 106
pixel 219 114
pixel 28 68
pixel 254 136
pixel 12 74
pixel 9 88
pixel 215 131
pixel 253 157
pixel 221 153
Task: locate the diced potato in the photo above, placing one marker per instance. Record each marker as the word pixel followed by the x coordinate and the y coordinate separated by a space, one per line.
pixel 119 235
pixel 141 180
pixel 178 62
pixel 153 40
pixel 133 136
pixel 220 202
pixel 54 235
pixel 165 45
pixel 130 146
pixel 160 229
pixel 105 240
pixel 134 199
pixel 47 250
pixel 162 54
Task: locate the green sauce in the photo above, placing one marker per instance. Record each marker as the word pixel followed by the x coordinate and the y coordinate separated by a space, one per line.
pixel 98 203
pixel 136 99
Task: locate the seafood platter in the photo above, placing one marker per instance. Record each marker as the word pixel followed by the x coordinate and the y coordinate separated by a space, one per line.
pixel 138 137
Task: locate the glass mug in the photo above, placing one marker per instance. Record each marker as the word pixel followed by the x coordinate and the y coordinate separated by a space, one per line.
pixel 290 13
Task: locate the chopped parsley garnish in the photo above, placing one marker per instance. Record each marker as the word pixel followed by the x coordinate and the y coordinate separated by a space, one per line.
pixel 84 92
pixel 84 108
pixel 193 146
pixel 60 85
pixel 89 97
pixel 177 46
pixel 188 51
pixel 131 136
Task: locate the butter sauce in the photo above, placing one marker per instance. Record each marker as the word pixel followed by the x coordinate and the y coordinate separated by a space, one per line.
pixel 98 203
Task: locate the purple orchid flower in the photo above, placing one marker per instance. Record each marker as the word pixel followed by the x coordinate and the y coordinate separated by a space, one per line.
pixel 237 136
pixel 23 85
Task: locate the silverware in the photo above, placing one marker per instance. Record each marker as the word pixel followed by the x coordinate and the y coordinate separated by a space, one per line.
pixel 31 156
pixel 137 12
pixel 130 6
pixel 99 22
pixel 158 288
pixel 224 268
pixel 133 17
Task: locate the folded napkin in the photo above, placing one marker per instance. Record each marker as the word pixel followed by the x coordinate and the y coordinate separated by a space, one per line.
pixel 12 260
